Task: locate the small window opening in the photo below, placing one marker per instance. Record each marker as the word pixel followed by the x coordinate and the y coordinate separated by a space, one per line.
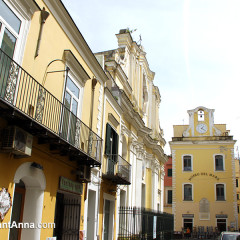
pixel 200 115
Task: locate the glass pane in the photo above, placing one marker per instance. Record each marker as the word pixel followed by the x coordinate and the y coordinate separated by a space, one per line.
pixel 187 192
pixel 8 43
pixel 72 87
pixel 7 14
pixel 72 128
pixel 74 106
pixel 67 101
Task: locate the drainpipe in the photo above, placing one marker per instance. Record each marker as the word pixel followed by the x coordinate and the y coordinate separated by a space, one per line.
pixel 44 16
pixel 94 83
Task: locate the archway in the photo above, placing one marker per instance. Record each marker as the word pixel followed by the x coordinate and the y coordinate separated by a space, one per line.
pixel 34 181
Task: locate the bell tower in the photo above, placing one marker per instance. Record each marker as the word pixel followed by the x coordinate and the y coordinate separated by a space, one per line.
pixel 201 123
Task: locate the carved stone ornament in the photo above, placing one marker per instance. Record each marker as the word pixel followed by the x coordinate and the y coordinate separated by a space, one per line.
pixel 5 202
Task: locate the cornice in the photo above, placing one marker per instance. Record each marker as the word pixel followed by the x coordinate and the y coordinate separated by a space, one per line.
pixel 199 142
pixel 75 66
pixel 64 19
pixel 121 74
pixel 113 100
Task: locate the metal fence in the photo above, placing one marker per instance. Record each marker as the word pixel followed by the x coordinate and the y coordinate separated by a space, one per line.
pixel 141 223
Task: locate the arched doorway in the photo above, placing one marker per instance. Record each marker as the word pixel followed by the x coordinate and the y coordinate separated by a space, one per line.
pixel 30 184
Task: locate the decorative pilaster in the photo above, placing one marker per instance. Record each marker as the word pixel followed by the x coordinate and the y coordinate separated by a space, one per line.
pixel 174 185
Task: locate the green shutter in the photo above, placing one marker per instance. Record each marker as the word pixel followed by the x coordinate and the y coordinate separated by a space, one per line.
pixel 107 140
pixel 115 146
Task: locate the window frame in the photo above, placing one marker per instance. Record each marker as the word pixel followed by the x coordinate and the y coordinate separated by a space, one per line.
pixel 25 16
pixel 214 162
pixel 183 192
pixel 169 190
pixel 113 131
pixel 168 171
pixel 191 160
pixel 224 188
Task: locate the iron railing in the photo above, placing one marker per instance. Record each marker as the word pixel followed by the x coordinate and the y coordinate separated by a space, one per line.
pixel 20 90
pixel 140 223
pixel 118 167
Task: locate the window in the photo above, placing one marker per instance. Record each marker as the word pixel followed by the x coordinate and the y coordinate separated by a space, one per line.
pixel 111 144
pixel 170 172
pixel 220 192
pixel 169 197
pixel 111 148
pixel 70 113
pixel 219 164
pixel 187 192
pixel 237 196
pixel 10 26
pixel 237 182
pixel 187 163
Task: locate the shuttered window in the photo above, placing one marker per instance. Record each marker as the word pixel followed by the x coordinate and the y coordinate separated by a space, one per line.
pixel 111 142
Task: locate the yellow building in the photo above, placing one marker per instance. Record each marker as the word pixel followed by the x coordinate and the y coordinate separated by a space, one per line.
pixel 51 90
pixel 132 168
pixel 204 186
pixel 80 137
pixel 237 170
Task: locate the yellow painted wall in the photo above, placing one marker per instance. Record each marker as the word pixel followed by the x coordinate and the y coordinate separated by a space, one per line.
pixel 203 185
pixel 149 188
pixel 54 166
pixel 237 172
pixel 52 47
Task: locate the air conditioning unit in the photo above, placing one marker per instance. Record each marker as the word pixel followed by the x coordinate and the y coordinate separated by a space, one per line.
pixel 17 141
pixel 84 174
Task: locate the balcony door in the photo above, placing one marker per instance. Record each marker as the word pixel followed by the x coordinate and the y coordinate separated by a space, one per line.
pixel 71 110
pixel 111 148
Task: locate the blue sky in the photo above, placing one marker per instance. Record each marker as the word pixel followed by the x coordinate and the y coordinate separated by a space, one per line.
pixel 193 46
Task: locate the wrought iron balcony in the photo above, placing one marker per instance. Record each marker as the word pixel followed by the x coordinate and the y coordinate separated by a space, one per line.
pixel 118 170
pixel 26 103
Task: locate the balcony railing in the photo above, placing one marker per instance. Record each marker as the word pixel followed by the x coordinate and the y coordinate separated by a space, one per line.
pixel 118 170
pixel 19 90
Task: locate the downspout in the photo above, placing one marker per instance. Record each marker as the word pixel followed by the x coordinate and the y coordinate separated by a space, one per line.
pixel 44 16
pixel 94 83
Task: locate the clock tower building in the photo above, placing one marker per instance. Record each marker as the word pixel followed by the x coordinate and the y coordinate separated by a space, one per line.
pixel 203 175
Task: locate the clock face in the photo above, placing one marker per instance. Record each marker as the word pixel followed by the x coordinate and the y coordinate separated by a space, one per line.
pixel 201 128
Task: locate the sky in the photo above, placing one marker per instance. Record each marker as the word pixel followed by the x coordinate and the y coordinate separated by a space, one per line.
pixel 193 46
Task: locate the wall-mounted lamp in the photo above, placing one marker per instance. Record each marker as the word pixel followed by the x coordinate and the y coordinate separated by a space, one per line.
pixel 37 165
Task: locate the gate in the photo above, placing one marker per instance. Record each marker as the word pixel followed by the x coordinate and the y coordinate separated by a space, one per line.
pixel 140 223
pixel 67 217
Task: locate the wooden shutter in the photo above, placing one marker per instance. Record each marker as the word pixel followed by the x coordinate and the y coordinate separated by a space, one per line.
pixel 107 140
